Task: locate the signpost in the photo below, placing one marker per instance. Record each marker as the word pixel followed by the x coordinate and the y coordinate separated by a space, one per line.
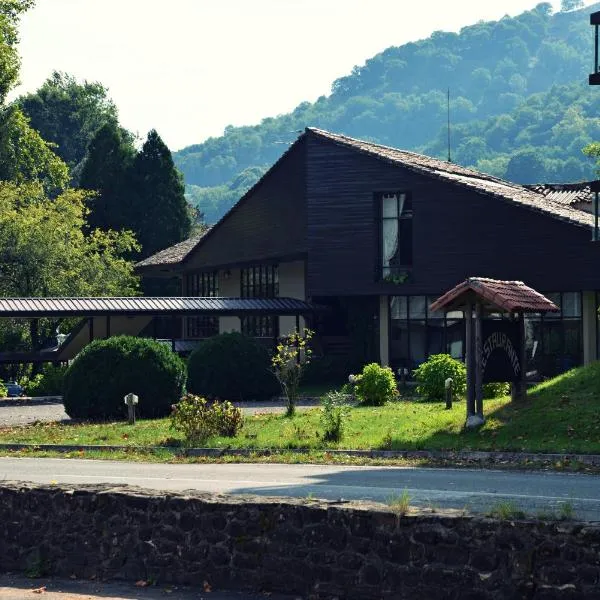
pixel 131 400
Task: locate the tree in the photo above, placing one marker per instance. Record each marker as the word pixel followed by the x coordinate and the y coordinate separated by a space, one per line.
pixel 25 156
pixel 68 113
pixel 106 171
pixel 162 215
pixel 46 251
pixel 526 167
pixel 566 5
pixel 10 11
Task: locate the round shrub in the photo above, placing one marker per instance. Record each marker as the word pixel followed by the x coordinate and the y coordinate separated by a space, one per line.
pixel 375 385
pixel 432 374
pixel 231 366
pixel 496 390
pixel 106 370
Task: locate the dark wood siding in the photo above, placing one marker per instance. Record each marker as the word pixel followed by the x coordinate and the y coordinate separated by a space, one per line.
pixel 268 223
pixel 457 232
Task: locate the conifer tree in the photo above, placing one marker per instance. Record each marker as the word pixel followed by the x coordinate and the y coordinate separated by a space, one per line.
pixel 163 215
pixel 107 171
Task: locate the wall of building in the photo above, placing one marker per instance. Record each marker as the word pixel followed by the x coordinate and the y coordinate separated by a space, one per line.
pixel 121 325
pixel 308 548
pixel 269 222
pixel 291 285
pixel 384 331
pixel 457 232
pixel 229 286
pixel 590 327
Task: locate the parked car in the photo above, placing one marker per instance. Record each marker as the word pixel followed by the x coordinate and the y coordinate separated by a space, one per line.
pixel 14 389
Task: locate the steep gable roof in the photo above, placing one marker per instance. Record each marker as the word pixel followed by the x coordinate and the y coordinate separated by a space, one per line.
pixel 469 178
pixel 173 254
pixel 419 163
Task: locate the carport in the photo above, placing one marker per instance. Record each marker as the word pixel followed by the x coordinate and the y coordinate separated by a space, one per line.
pixel 103 317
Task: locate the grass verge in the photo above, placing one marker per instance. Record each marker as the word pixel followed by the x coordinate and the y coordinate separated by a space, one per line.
pixel 561 415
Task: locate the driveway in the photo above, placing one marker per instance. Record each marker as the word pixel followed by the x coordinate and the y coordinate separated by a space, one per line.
pixel 474 490
pixel 25 412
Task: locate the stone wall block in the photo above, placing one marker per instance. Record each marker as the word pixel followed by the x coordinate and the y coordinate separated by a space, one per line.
pixel 311 548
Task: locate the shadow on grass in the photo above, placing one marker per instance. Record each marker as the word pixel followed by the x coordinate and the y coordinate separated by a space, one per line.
pixel 559 415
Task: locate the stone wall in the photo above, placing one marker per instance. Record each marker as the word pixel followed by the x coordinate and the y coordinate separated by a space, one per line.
pixel 310 548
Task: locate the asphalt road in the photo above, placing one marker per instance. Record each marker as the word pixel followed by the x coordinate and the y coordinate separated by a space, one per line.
pixel 474 490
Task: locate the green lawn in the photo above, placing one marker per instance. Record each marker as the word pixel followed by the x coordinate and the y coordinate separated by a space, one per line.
pixel 561 415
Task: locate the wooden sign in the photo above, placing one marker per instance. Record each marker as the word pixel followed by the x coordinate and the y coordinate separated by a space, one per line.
pixel 501 351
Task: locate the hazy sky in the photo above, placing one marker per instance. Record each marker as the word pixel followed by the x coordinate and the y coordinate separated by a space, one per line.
pixel 188 68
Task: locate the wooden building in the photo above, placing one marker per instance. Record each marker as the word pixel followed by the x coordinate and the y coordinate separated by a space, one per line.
pixel 374 234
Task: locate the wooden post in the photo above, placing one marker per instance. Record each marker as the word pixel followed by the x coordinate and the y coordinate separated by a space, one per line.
pixel 91 328
pixel 518 389
pixel 469 359
pixel 107 326
pixel 478 355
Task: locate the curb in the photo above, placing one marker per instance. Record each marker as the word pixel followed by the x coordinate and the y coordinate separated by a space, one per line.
pixel 444 455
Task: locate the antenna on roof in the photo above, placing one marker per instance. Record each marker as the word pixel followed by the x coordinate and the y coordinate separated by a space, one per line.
pixel 449 153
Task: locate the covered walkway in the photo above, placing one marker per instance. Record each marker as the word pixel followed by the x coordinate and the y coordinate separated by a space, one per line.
pixel 103 317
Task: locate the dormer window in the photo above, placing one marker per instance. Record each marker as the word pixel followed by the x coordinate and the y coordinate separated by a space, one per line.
pixel 396 232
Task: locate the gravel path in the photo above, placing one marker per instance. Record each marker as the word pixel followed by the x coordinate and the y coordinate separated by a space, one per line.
pixel 16 587
pixel 23 412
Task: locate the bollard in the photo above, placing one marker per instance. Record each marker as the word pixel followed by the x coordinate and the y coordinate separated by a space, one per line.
pixel 448 386
pixel 131 400
pixel 403 372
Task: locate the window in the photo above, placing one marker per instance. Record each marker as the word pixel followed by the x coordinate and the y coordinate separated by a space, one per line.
pixel 396 232
pixel 554 341
pixel 260 281
pixel 204 285
pixel 416 332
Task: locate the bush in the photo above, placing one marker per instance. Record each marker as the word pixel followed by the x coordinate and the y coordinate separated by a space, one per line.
pixel 49 382
pixel 106 370
pixel 199 419
pixel 432 374
pixel 334 412
pixel 233 367
pixel 3 390
pixel 496 390
pixel 375 385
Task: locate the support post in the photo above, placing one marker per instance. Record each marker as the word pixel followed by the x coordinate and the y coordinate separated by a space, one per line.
pixel 595 235
pixel 107 326
pixel 91 328
pixel 469 359
pixel 518 388
pixel 478 355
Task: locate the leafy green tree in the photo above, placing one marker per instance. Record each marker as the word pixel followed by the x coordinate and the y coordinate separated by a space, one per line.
pixel 162 214
pixel 10 11
pixel 45 250
pixel 68 113
pixel 526 167
pixel 25 156
pixel 566 5
pixel 107 171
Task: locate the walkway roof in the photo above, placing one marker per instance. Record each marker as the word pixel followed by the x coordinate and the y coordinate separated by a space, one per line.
pixel 150 306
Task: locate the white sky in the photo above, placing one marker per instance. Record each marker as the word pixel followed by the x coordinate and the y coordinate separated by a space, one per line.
pixel 188 68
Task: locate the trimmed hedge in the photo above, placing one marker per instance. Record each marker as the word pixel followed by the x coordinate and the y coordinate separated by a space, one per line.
pixel 106 370
pixel 231 366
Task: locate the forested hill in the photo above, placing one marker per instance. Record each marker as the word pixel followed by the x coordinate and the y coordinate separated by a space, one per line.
pixel 520 104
